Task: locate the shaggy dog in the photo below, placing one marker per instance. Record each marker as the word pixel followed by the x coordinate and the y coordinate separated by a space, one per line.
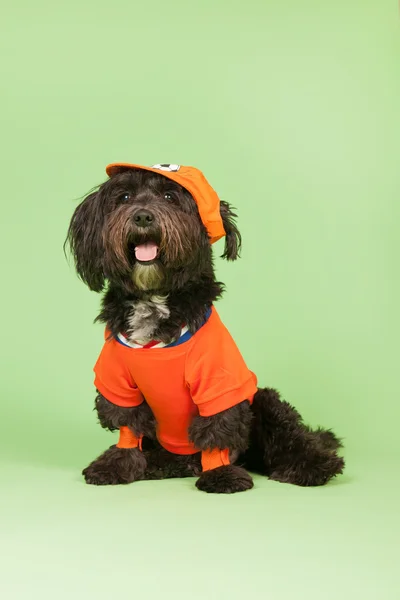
pixel 144 239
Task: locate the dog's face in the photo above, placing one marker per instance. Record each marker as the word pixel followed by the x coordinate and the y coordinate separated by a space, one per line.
pixel 143 232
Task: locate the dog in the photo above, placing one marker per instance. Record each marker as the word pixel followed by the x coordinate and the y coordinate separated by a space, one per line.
pixel 169 377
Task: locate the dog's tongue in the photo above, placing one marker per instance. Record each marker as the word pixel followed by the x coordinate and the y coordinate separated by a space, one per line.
pixel 145 252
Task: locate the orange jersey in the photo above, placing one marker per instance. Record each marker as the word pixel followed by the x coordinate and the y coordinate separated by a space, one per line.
pixel 204 375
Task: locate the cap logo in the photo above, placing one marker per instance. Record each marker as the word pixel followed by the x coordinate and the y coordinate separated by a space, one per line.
pixel 166 167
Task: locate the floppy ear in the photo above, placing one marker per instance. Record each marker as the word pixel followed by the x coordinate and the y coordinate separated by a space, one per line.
pixel 85 240
pixel 233 239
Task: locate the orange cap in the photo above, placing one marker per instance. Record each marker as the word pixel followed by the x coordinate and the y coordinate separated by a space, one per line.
pixel 194 182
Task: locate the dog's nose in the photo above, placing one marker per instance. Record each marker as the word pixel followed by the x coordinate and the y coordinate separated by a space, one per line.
pixel 143 218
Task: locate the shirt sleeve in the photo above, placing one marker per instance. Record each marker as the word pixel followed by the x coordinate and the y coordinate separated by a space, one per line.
pixel 218 377
pixel 113 379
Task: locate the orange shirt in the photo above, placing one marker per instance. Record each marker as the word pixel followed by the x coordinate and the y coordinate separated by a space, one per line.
pixel 205 375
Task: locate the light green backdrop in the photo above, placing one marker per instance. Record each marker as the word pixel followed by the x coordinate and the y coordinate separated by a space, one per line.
pixel 292 111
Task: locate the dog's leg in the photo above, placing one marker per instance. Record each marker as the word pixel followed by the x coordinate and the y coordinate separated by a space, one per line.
pixel 162 464
pixel 124 462
pixel 285 449
pixel 221 438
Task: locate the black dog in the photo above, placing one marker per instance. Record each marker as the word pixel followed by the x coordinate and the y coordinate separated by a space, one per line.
pixel 151 300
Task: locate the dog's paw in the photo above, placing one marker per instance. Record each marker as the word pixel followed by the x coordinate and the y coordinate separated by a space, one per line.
pixel 225 480
pixel 116 466
pixel 315 470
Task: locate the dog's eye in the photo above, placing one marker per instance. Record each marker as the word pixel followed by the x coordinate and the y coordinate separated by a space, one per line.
pixel 126 197
pixel 170 196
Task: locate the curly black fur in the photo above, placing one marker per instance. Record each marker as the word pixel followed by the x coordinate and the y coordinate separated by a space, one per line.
pixel 233 239
pixel 115 466
pixel 285 449
pixel 326 438
pixel 280 446
pixel 225 480
pixel 228 429
pixel 140 419
pixel 164 465
pixel 124 465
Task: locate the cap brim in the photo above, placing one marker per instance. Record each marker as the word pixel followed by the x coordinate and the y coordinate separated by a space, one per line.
pixel 115 168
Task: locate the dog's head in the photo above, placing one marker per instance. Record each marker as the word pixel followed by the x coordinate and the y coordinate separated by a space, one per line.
pixel 143 232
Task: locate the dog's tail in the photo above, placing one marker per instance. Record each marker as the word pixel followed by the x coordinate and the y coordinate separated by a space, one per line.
pixel 285 449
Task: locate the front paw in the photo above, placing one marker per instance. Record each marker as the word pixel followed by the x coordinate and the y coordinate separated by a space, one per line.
pixel 116 466
pixel 225 480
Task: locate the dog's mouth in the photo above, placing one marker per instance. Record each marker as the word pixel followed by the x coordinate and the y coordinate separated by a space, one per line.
pixel 146 253
pixel 144 248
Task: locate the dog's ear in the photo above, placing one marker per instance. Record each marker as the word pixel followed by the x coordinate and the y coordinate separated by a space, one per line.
pixel 233 239
pixel 85 240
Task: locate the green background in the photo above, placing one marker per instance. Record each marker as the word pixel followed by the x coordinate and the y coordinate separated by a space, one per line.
pixel 291 108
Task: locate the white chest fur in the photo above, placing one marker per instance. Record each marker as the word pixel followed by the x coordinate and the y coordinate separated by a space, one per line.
pixel 145 318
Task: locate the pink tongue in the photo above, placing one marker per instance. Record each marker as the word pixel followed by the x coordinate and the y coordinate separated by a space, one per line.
pixel 146 252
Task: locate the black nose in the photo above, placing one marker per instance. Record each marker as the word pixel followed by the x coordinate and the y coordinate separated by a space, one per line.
pixel 143 218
